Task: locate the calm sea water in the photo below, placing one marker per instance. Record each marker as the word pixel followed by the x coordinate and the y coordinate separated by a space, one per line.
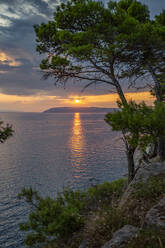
pixel 49 152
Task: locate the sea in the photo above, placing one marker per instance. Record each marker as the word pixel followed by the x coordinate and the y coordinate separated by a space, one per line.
pixel 49 152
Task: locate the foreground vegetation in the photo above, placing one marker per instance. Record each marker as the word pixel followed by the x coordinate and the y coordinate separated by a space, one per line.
pixel 93 215
pixel 65 218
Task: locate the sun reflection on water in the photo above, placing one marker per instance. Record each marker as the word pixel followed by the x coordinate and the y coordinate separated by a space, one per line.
pixel 77 145
pixel 77 129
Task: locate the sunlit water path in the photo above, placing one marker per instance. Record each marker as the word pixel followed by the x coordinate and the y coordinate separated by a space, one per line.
pixel 49 152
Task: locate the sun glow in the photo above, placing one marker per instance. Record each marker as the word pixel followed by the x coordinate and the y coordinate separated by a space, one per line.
pixel 77 101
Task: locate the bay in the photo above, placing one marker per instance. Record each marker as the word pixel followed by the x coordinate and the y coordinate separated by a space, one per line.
pixel 50 152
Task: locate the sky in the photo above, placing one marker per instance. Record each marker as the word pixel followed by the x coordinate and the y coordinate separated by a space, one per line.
pixel 21 85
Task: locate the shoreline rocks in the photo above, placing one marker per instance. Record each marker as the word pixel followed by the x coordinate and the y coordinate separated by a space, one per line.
pixel 143 174
pixel 156 216
pixel 121 237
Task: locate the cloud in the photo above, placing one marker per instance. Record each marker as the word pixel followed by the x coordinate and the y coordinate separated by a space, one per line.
pixel 18 58
pixel 17 9
pixel 8 60
pixel 155 7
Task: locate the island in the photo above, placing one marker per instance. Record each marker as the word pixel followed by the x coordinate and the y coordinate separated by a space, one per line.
pixel 79 110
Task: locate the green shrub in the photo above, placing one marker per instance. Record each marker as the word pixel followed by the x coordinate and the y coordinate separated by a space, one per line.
pixel 152 189
pixel 51 218
pixel 58 219
pixel 102 195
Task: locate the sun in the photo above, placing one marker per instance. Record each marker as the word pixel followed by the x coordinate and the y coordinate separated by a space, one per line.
pixel 77 101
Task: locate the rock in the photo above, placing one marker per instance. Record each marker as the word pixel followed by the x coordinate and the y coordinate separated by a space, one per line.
pixel 150 150
pixel 84 244
pixel 138 157
pixel 155 159
pixel 148 170
pixel 145 156
pixel 144 172
pixel 121 237
pixel 156 216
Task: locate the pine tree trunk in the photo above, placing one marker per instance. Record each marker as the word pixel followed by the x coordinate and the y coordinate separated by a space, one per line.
pixel 161 148
pixel 120 93
pixel 131 166
pixel 157 85
pixel 118 87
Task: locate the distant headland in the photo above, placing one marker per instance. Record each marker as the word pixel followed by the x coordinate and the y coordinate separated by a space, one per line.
pixel 79 110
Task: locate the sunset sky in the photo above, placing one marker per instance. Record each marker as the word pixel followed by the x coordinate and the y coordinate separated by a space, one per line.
pixel 21 86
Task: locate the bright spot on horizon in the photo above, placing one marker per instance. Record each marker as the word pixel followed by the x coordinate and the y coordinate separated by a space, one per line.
pixel 77 101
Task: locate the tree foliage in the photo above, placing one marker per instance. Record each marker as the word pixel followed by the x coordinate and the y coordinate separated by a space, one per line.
pixel 5 132
pixel 130 120
pixel 140 125
pixel 146 45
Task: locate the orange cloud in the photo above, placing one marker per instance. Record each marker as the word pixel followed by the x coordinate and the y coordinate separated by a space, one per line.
pixel 7 59
pixel 24 99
